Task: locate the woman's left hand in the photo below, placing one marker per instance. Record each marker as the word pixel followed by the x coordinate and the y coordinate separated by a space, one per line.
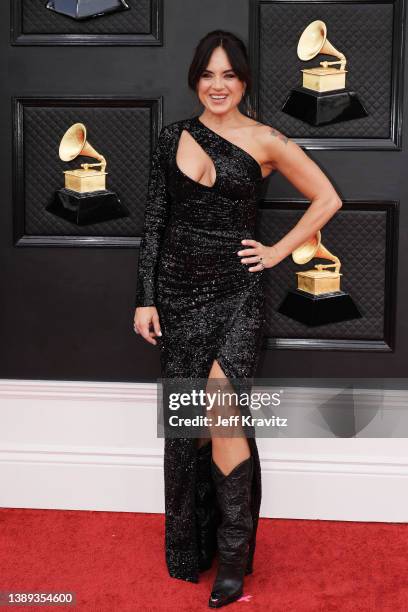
pixel 258 250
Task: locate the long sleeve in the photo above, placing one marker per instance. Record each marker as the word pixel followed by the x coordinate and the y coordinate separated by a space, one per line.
pixel 155 218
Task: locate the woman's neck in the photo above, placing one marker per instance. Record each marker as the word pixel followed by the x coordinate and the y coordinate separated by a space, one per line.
pixel 229 119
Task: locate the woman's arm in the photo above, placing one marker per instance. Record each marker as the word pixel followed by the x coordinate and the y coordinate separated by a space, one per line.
pixel 304 174
pixel 155 218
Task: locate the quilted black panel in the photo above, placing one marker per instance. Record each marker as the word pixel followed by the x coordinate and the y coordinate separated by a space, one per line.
pixel 362 31
pixel 358 238
pixel 121 134
pixel 39 20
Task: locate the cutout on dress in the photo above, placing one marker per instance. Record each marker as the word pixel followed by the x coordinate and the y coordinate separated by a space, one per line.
pixel 212 170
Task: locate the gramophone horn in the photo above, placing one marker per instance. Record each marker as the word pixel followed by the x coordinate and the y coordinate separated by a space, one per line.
pixel 314 248
pixel 74 143
pixel 306 251
pixel 314 40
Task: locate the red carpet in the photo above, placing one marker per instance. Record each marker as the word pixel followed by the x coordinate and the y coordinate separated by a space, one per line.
pixel 114 563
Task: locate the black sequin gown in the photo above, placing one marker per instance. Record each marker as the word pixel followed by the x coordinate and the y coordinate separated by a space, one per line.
pixel 210 305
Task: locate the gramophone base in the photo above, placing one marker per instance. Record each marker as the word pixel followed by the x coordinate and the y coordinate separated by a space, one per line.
pixel 313 310
pixel 87 208
pixel 318 108
pixel 83 9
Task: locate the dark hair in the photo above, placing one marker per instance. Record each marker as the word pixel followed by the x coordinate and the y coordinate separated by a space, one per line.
pixel 237 54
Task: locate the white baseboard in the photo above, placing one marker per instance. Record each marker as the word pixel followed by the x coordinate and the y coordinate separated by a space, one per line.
pixel 93 446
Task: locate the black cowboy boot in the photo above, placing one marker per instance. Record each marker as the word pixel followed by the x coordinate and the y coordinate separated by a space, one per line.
pixel 234 532
pixel 206 509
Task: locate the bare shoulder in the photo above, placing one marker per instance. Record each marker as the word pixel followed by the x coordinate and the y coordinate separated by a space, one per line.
pixel 267 134
pixel 278 148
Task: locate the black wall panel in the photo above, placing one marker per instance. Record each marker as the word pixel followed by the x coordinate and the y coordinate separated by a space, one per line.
pixel 39 125
pixel 370 36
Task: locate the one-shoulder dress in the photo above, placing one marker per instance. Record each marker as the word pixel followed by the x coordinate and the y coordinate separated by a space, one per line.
pixel 209 304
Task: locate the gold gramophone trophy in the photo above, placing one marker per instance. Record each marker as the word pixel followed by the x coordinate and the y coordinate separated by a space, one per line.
pixel 323 98
pixel 84 199
pixel 86 9
pixel 318 298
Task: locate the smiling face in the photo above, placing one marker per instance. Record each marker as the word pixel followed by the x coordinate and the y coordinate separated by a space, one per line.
pixel 219 88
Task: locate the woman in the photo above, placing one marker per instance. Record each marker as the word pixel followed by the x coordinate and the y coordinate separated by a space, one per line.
pixel 200 298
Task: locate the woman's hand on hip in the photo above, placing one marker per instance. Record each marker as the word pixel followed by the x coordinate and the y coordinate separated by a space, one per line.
pixel 146 316
pixel 257 253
